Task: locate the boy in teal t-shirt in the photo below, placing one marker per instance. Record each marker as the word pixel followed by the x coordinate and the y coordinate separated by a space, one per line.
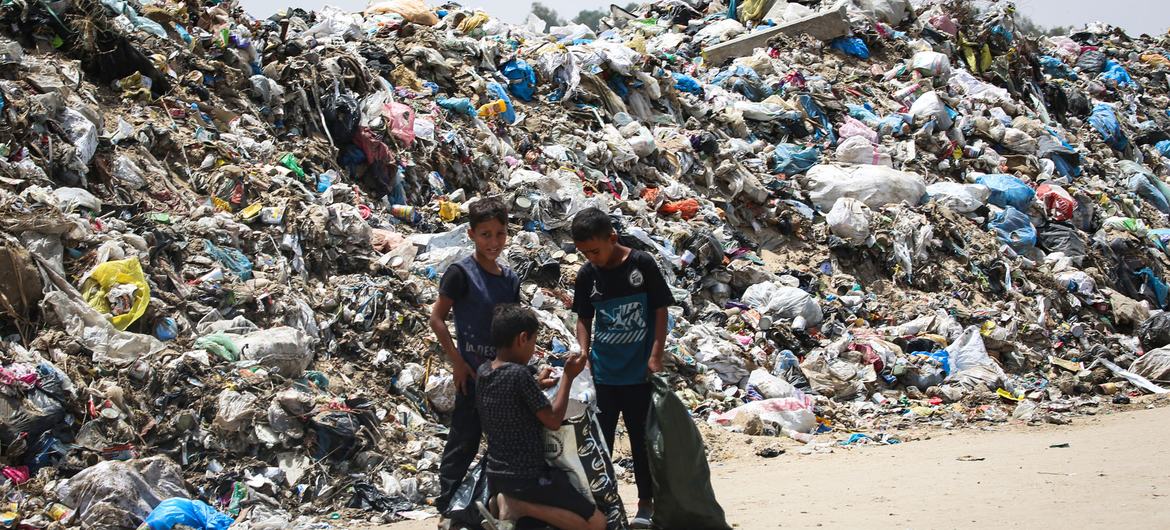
pixel 620 300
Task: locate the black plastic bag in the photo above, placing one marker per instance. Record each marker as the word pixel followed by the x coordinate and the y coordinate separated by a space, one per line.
pixel 367 497
pixel 474 488
pixel 1155 331
pixel 683 497
pixel 342 116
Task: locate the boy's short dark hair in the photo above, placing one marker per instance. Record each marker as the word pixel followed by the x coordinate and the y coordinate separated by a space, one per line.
pixel 485 210
pixel 509 321
pixel 591 223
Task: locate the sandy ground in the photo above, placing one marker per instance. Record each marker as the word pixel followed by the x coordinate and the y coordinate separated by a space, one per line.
pixel 1114 472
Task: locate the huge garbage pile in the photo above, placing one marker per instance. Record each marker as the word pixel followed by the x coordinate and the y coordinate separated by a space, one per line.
pixel 221 235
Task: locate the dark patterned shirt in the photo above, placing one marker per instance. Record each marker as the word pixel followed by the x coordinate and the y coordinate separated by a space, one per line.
pixel 508 399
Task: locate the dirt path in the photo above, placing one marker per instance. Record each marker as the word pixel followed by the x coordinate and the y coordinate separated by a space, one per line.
pixel 1115 472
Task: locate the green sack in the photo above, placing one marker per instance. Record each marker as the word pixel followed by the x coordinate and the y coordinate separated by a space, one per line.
pixel 683 497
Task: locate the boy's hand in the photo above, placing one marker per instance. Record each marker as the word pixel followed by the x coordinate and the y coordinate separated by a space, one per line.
pixel 462 372
pixel 545 379
pixel 655 364
pixel 574 365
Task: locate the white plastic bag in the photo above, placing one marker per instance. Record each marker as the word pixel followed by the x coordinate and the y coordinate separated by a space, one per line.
pixel 770 386
pixel 283 349
pixel 771 298
pixel 94 331
pixel 962 198
pixel 933 64
pixel 849 220
pixel 440 392
pixel 930 107
pixel 859 150
pixel 790 413
pixel 876 186
pixel 1154 365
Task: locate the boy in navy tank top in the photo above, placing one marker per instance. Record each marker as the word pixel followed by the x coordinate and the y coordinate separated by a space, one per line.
pixel 472 287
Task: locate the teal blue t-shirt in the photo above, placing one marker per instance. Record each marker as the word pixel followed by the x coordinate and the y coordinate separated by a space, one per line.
pixel 622 302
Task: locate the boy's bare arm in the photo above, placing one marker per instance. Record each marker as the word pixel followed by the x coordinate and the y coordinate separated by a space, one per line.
pixel 460 368
pixel 659 340
pixel 552 416
pixel 584 334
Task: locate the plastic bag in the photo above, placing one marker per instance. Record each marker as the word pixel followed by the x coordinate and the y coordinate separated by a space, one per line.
pixel 457 105
pixel 771 298
pixel 851 46
pixel 849 220
pixel 929 107
pixel 440 392
pixel 876 186
pixel 521 78
pixel 1056 68
pixel 497 90
pixel 1059 205
pixel 284 349
pixel 770 386
pixel 116 494
pixel 473 489
pixel 962 198
pixel 193 513
pixel 1104 120
pixel 401 120
pixel 415 11
pixel 112 275
pixel 1007 190
pixel 1154 365
pixel 687 83
pixel 1116 74
pixel 932 64
pixel 1091 61
pixel 853 128
pixel 231 258
pixel 790 159
pixel 683 497
pixel 1154 332
pixel 859 150
pixel 1014 228
pixel 790 413
pixel 578 447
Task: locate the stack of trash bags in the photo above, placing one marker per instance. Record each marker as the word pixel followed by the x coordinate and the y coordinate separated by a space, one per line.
pixel 221 235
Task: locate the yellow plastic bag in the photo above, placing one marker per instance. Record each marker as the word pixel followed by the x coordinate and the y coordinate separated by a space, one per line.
pixel 449 211
pixel 109 275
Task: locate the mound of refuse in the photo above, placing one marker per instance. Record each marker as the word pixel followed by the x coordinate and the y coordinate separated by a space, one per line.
pixel 220 236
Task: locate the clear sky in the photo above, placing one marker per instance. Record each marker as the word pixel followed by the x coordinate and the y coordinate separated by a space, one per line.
pixel 1136 16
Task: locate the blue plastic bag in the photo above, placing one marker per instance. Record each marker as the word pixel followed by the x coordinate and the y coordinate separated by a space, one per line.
pixel 790 159
pixel 1057 68
pixel 687 83
pixel 196 514
pixel 1104 120
pixel 1155 285
pixel 851 46
pixel 231 258
pixel 1141 185
pixel 1117 73
pixel 1163 147
pixel 814 112
pixel 1014 228
pixel 1007 190
pixel 457 105
pixel 499 92
pixel 521 78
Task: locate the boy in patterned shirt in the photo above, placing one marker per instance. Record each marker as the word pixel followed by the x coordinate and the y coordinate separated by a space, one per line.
pixel 515 413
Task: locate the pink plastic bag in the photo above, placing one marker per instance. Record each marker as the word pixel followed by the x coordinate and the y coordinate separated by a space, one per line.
pixel 401 119
pixel 853 127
